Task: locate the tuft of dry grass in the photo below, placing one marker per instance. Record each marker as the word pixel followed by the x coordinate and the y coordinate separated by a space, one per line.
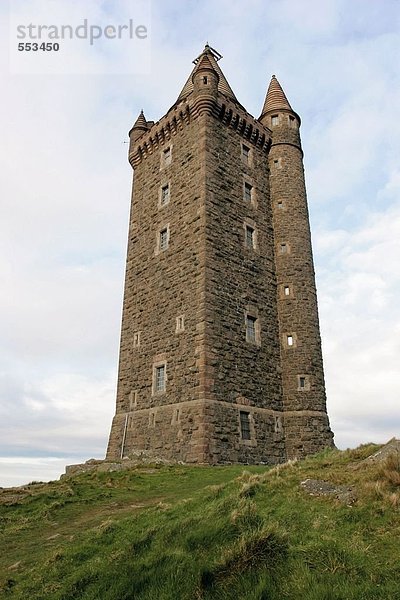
pixel 255 549
pixel 279 469
pixel 389 470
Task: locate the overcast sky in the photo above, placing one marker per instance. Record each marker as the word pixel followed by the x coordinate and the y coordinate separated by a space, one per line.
pixel 65 192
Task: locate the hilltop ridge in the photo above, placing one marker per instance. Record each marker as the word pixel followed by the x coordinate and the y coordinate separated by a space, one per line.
pixel 323 528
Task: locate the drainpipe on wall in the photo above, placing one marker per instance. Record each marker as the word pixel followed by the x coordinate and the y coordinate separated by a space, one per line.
pixel 124 436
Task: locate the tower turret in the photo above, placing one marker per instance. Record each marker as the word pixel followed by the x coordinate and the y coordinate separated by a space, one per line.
pixel 205 82
pixel 138 129
pixel 304 402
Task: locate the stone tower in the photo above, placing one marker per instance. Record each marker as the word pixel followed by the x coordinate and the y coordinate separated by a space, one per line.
pixel 220 356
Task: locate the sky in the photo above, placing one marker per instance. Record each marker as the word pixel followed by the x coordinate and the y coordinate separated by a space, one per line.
pixel 65 193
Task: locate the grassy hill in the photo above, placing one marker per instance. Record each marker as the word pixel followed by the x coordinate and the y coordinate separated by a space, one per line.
pixel 177 533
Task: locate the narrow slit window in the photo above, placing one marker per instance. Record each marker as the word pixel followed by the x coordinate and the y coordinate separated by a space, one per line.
pixel 132 400
pixel 152 419
pixel 245 154
pixel 251 329
pixel 180 323
pixel 159 378
pixel 176 417
pixel 302 382
pixel 136 339
pixel 205 80
pixel 164 195
pixel 249 237
pixel 163 239
pixel 248 192
pixel 167 156
pixel 286 290
pixel 290 340
pixel 245 425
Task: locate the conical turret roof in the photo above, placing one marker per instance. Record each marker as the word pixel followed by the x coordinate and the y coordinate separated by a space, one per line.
pixel 209 58
pixel 140 121
pixel 275 98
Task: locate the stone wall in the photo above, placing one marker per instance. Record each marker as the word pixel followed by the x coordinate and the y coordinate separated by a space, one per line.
pixel 161 286
pixel 186 306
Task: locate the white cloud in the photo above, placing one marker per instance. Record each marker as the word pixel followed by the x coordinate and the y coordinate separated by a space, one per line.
pixel 359 288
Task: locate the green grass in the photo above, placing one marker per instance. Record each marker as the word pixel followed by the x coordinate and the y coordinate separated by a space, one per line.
pixel 188 533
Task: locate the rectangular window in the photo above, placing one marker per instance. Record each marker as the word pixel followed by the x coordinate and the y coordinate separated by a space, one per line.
pixel 167 156
pixel 251 329
pixel 164 195
pixel 163 242
pixel 248 191
pixel 245 154
pixel 245 425
pixel 289 340
pixel 283 248
pixel 159 378
pixel 280 204
pixel 302 382
pixel 249 239
pixel 286 290
pixel 274 120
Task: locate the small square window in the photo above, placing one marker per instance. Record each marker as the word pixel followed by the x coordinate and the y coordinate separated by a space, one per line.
pixel 248 192
pixel 164 195
pixel 286 290
pixel 159 378
pixel 274 120
pixel 136 339
pixel 167 156
pixel 303 383
pixel 277 163
pixel 251 333
pixel 283 248
pixel 163 241
pixel 280 204
pixel 180 323
pixel 245 425
pixel 290 340
pixel 245 154
pixel 249 237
